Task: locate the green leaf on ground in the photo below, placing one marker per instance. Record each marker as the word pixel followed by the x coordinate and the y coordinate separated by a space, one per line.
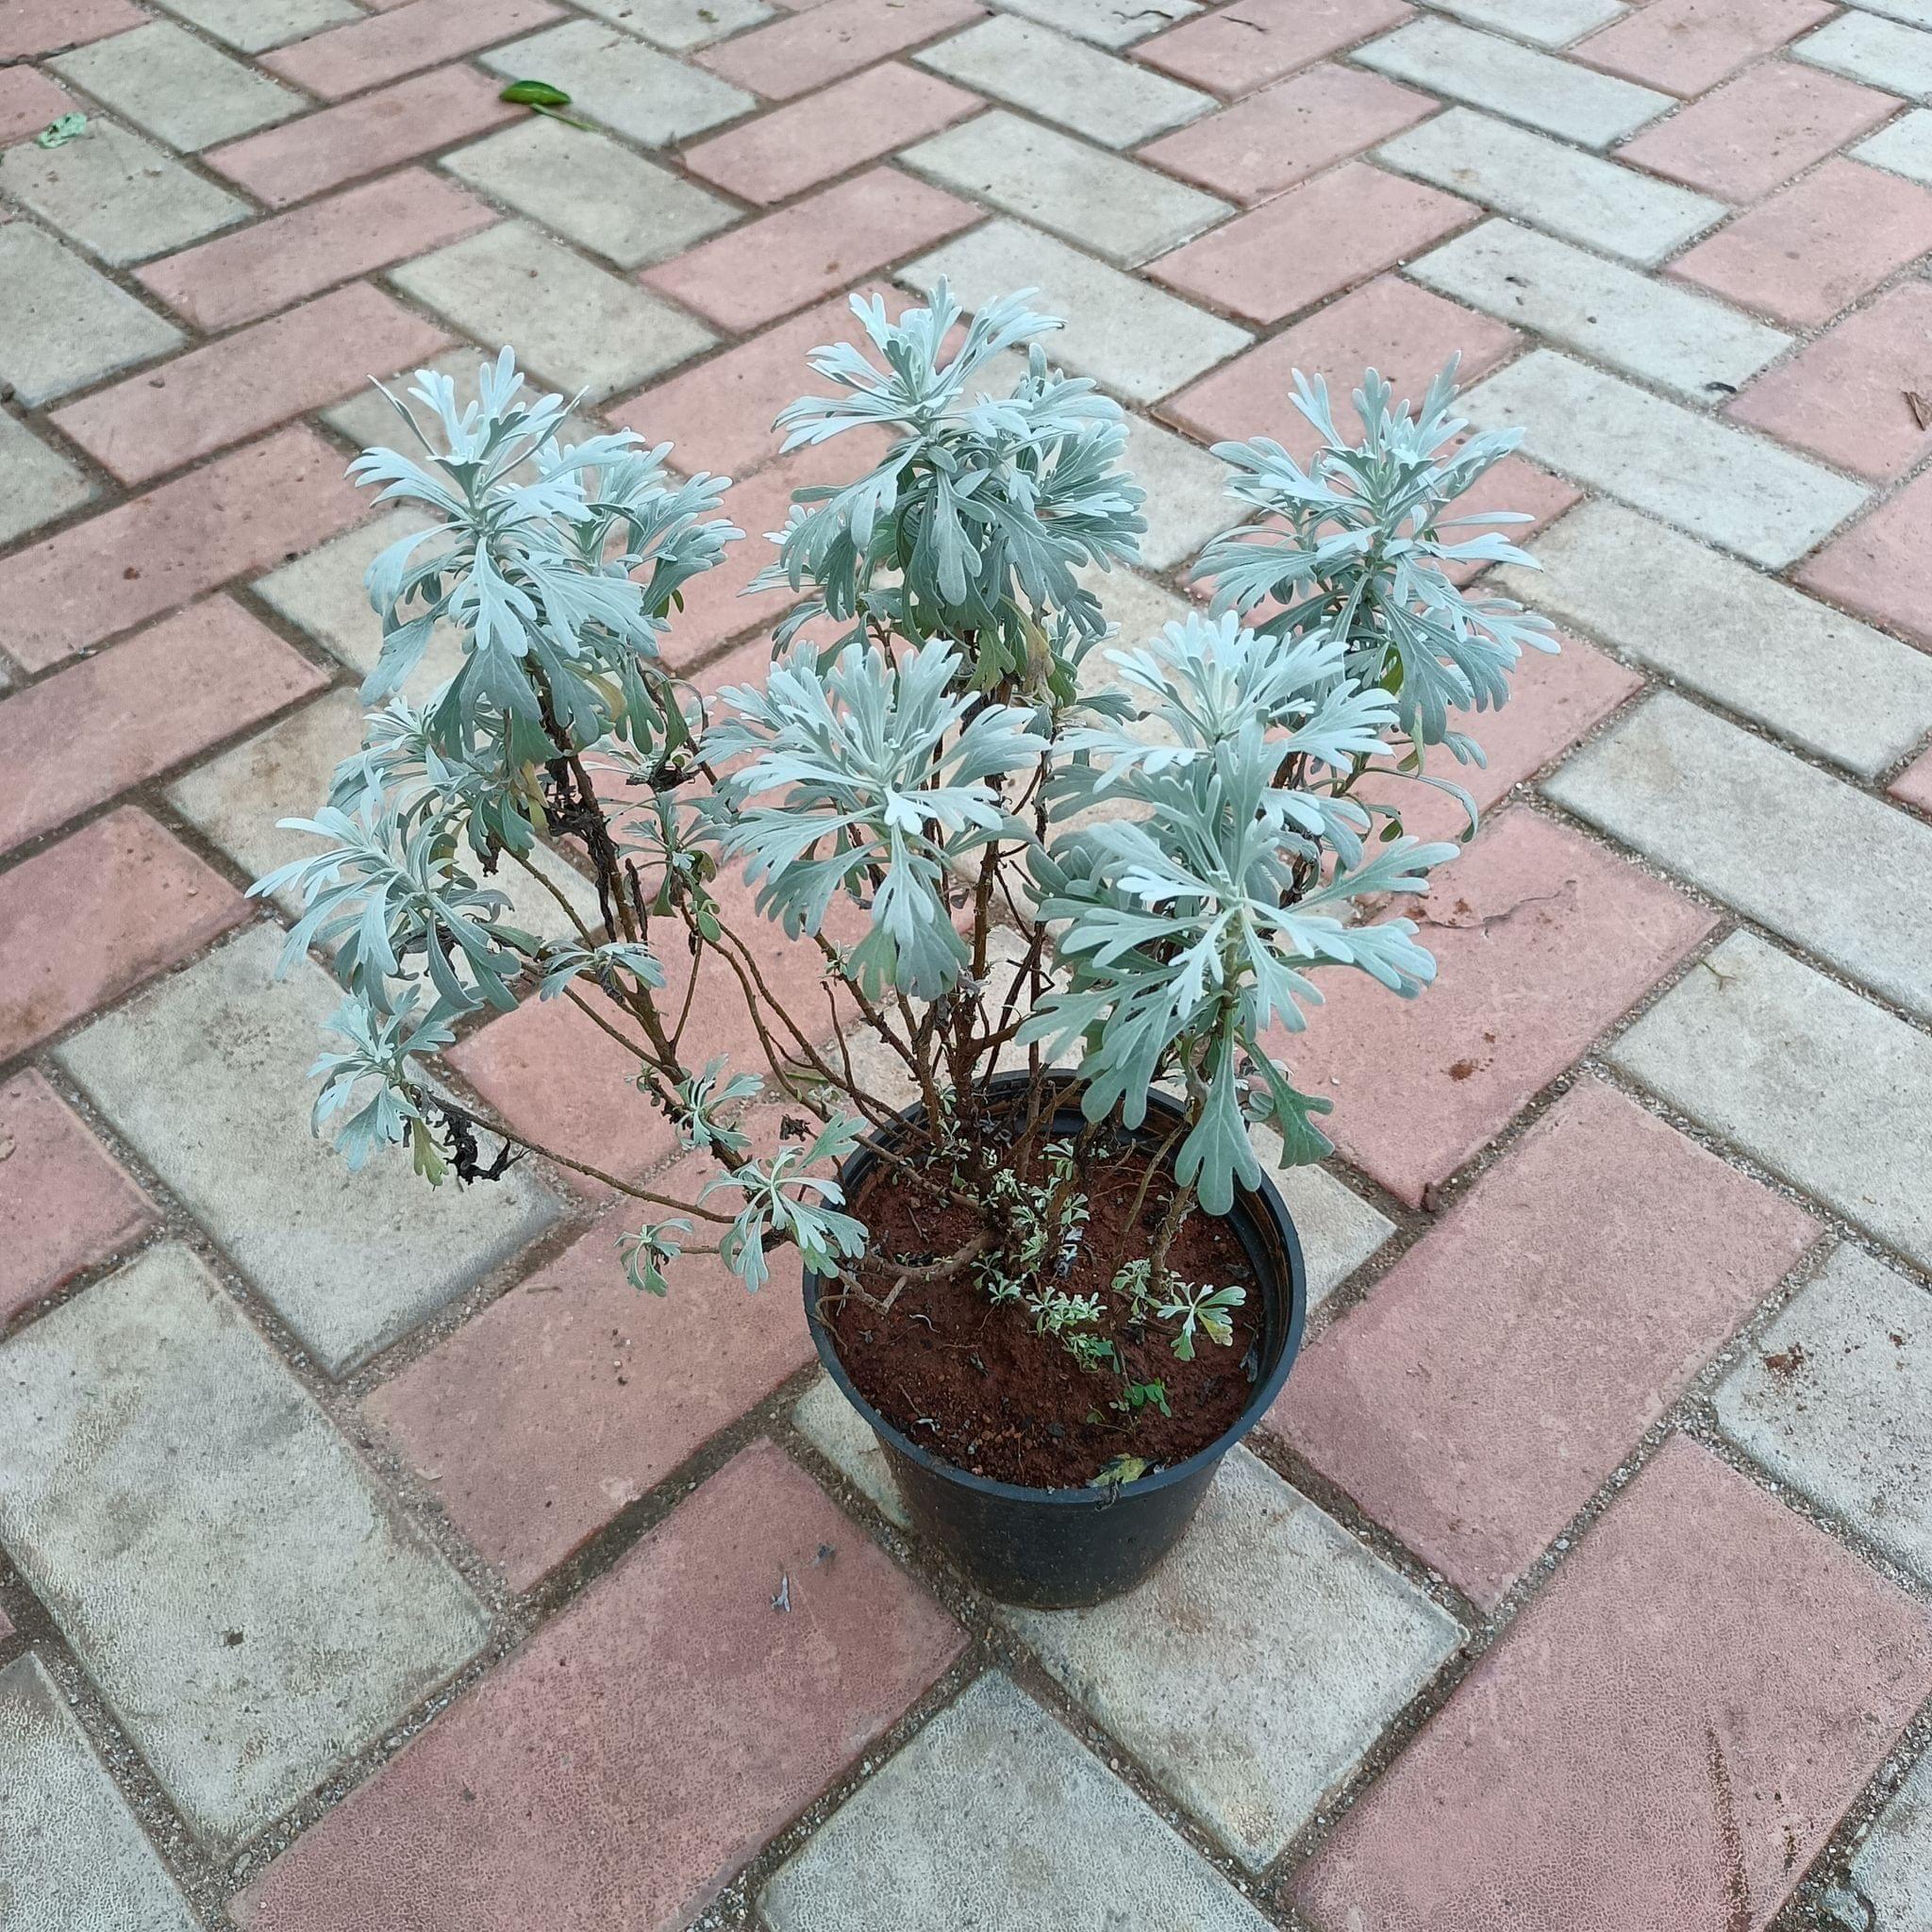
pixel 544 99
pixel 58 133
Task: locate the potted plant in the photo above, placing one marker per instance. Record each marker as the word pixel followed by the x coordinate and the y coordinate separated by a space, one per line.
pixel 1086 884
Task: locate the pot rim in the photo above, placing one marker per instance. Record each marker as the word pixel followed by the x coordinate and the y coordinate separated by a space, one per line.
pixel 1264 1200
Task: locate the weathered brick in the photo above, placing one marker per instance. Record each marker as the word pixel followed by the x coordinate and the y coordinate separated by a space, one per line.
pixel 204 1076
pixel 1132 338
pixel 79 737
pixel 680 24
pixel 1667 336
pixel 593 189
pixel 37 484
pixel 254 24
pixel 584 1771
pixel 1914 784
pixel 87 919
pixel 1390 325
pixel 1187 491
pixel 844 1439
pixel 793 57
pixel 33 27
pixel 1734 489
pixel 1577 195
pixel 244 277
pixel 1904 147
pixel 574 1396
pixel 1831 1398
pixel 1066 81
pixel 830 239
pixel 839 127
pixel 1109 203
pixel 1656 1641
pixel 1541 941
pixel 1830 868
pixel 1593 109
pixel 116 195
pixel 367 53
pixel 29 101
pixel 1879 52
pixel 1272 37
pixel 177 87
pixel 1737 636
pixel 157 1449
pixel 1102 22
pixel 991 1804
pixel 1893 1868
pixel 247 382
pixel 1505 1365
pixel 1271 139
pixel 612 79
pixel 65 1204
pixel 1312 242
pixel 143 557
pixel 74 1854
pixel 1543 23
pixel 1878 567
pixel 364 136
pixel 1815 247
pixel 576 327
pixel 1755 1047
pixel 1685 46
pixel 1326 1642
pixel 1755 132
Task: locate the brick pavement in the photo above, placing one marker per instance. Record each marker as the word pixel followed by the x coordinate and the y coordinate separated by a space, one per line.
pixel 375 1559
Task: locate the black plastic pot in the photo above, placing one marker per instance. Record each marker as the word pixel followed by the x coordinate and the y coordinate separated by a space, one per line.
pixel 1054 1549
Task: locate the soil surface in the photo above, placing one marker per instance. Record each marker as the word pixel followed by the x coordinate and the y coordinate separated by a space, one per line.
pixel 975 1385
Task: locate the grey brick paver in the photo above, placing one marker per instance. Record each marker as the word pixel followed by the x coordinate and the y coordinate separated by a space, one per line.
pixel 195 1073
pixel 593 189
pixel 1824 1088
pixel 1894 1866
pixel 178 88
pixel 37 483
pixel 1881 53
pixel 844 1439
pixel 577 326
pixel 253 26
pixel 1102 201
pixel 1519 83
pixel 1543 23
pixel 62 325
pixel 1133 339
pixel 1740 492
pixel 1113 102
pixel 993 1817
pixel 1823 680
pixel 680 24
pixel 1835 1398
pixel 1254 1669
pixel 72 1855
pixel 1829 867
pixel 1107 23
pixel 117 194
pixel 215 1554
pixel 1653 329
pixel 1579 197
pixel 1904 146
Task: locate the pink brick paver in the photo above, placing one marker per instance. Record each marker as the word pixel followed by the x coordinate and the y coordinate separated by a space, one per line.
pixel 643 1744
pixel 253 271
pixel 788 58
pixel 1815 247
pixel 1282 135
pixel 87 920
pixel 755 274
pixel 1542 939
pixel 1914 784
pixel 1754 133
pixel 32 27
pixel 366 53
pixel 249 381
pixel 364 136
pixel 1685 46
pixel 1847 396
pixel 1662 1742
pixel 1312 242
pixel 1553 702
pixel 130 713
pixel 64 1203
pixel 1391 325
pixel 1507 1364
pixel 574 1396
pixel 28 100
pixel 1880 567
pixel 842 126
pixel 1270 38
pixel 245 512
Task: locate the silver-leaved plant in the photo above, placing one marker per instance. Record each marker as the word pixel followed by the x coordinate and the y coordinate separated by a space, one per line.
pixel 1005 837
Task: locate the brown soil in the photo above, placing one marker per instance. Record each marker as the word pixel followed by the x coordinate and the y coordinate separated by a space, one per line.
pixel 974 1384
